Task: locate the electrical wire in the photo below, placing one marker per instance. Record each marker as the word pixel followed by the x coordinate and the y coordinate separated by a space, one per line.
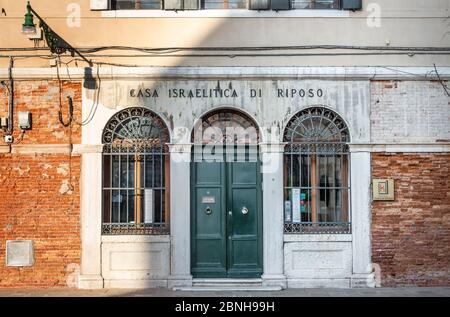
pixel 410 54
pixel 446 89
pixel 243 48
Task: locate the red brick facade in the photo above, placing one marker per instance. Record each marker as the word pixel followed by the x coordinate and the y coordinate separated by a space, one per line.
pixel 42 99
pixel 40 200
pixel 411 235
pixel 40 193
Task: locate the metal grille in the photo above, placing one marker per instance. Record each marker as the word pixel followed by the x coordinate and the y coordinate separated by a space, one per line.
pixel 225 127
pixel 316 169
pixel 135 169
pixel 316 228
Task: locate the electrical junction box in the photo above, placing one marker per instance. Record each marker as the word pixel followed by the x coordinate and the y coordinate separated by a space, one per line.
pixel 19 253
pixel 3 122
pixel 351 4
pixel 25 120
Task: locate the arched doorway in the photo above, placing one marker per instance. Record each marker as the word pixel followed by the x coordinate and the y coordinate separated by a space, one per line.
pixel 226 200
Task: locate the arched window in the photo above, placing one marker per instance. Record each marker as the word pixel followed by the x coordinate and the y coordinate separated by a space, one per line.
pixel 135 173
pixel 316 173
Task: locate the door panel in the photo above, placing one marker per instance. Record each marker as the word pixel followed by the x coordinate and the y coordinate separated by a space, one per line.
pixel 225 241
pixel 244 225
pixel 209 235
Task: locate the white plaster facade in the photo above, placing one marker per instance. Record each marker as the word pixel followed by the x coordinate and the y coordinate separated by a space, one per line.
pixel 289 260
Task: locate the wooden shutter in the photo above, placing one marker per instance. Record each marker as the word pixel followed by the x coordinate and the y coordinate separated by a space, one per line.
pixel 351 4
pixel 259 4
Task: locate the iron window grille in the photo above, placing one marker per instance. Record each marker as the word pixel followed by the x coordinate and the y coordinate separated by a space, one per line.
pixel 135 174
pixel 316 173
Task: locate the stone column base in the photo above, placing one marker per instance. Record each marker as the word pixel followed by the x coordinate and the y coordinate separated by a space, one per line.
pixel 274 280
pixel 90 281
pixel 179 281
pixel 363 280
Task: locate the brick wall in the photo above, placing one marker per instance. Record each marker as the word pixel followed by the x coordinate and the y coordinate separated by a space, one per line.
pixel 411 235
pixel 42 99
pixel 40 201
pixel 409 111
pixel 39 193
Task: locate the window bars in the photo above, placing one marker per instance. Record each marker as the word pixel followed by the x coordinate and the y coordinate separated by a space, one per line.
pixel 135 174
pixel 316 173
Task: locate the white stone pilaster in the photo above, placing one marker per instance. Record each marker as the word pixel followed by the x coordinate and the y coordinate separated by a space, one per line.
pixel 180 222
pixel 273 220
pixel 361 219
pixel 91 219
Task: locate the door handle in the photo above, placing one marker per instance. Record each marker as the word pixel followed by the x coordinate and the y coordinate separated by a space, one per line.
pixel 244 210
pixel 208 210
pixel 230 213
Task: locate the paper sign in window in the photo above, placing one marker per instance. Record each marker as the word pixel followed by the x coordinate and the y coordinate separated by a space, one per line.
pixel 148 205
pixel 296 205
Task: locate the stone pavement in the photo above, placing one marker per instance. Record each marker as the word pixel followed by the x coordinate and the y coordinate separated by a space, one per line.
pixel 161 292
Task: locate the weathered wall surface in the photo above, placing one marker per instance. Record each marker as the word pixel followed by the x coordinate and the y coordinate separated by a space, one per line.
pixel 411 235
pixel 272 104
pixel 39 185
pixel 409 112
pixel 43 98
pixel 40 201
pixel 424 23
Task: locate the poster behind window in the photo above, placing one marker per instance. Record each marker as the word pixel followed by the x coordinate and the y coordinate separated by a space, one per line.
pixel 148 205
pixel 296 215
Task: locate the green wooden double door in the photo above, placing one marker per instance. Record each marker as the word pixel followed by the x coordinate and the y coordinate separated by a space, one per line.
pixel 226 220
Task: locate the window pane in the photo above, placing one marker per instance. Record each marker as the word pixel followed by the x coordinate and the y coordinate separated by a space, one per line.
pixel 225 4
pixel 315 4
pixel 149 171
pixel 131 198
pixel 305 175
pixel 137 4
pixel 115 171
pixel 107 171
pixel 158 170
pixel 131 170
pixel 106 205
pixel 295 164
pixel 116 198
pixel 123 206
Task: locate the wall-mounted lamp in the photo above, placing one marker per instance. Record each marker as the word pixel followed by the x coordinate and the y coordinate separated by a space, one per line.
pixel 56 43
pixel 29 28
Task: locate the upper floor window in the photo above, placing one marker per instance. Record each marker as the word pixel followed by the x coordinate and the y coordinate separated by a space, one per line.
pixel 316 173
pixel 315 4
pixel 135 173
pixel 218 4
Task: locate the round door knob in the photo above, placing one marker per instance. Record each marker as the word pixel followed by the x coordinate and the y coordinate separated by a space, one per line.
pixel 208 210
pixel 244 210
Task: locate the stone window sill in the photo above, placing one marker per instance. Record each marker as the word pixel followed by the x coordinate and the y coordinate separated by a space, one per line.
pixel 225 14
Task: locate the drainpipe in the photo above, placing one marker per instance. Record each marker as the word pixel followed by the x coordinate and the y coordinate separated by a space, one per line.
pixel 11 98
